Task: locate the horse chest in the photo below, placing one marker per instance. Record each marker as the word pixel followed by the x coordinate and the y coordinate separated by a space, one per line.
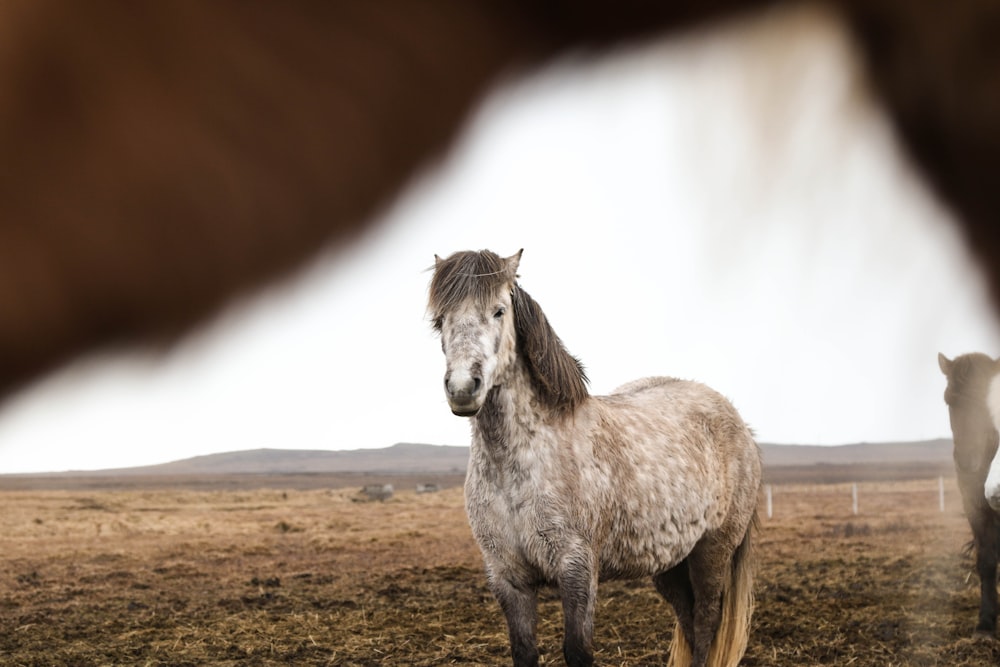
pixel 518 527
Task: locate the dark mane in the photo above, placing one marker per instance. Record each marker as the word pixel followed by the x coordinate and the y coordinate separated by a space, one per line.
pixel 482 276
pixel 558 376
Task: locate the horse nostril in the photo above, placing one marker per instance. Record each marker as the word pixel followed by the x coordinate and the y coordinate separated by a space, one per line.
pixel 462 385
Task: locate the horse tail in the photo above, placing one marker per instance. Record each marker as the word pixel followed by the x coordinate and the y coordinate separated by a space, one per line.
pixel 737 608
pixel 680 650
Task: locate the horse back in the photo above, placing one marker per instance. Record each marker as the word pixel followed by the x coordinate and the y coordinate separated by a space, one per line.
pixel 680 416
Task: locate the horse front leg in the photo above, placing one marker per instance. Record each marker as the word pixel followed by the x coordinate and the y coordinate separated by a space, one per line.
pixel 520 607
pixel 578 590
pixel 987 569
pixel 987 553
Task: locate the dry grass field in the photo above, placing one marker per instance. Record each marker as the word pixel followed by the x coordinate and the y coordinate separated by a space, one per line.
pixel 307 576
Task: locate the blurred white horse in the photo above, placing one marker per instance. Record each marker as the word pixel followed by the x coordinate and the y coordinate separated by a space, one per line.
pixel 973 398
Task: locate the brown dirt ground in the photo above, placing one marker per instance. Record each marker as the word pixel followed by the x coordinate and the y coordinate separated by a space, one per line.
pixel 310 577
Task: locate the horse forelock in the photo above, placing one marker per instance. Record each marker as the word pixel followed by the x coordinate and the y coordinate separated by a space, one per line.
pixel 468 275
pixel 558 377
pixel 481 278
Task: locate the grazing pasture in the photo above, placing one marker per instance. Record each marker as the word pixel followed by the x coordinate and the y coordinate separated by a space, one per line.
pixel 300 575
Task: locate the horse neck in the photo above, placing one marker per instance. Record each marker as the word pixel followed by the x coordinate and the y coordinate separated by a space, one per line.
pixel 993 400
pixel 977 447
pixel 511 420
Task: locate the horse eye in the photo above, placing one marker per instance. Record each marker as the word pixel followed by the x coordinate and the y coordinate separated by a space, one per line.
pixel 438 323
pixel 500 311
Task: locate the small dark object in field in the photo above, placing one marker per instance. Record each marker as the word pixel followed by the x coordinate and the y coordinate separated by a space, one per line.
pixel 379 492
pixel 270 582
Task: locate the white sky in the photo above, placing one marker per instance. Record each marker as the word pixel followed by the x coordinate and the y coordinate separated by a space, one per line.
pixel 726 207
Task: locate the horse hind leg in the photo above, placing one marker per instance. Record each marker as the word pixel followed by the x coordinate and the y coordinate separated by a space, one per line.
pixel 721 579
pixel 708 570
pixel 675 587
pixel 987 542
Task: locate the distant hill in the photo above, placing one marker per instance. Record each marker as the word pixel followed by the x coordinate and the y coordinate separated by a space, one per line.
pixel 406 458
pixel 926 451
pixel 861 462
pixel 401 458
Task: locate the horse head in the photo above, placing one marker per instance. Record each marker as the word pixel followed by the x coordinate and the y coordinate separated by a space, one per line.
pixel 969 380
pixel 471 306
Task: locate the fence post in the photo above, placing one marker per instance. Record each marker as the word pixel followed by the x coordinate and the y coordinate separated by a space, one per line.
pixel 770 507
pixel 941 493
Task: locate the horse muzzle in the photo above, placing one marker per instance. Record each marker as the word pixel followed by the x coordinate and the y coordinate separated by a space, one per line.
pixel 993 497
pixel 992 487
pixel 464 412
pixel 464 392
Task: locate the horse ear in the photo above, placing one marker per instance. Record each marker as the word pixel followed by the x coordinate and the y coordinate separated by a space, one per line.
pixel 512 263
pixel 945 363
pixel 437 261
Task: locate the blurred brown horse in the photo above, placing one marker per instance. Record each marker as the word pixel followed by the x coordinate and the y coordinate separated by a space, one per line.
pixel 161 158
